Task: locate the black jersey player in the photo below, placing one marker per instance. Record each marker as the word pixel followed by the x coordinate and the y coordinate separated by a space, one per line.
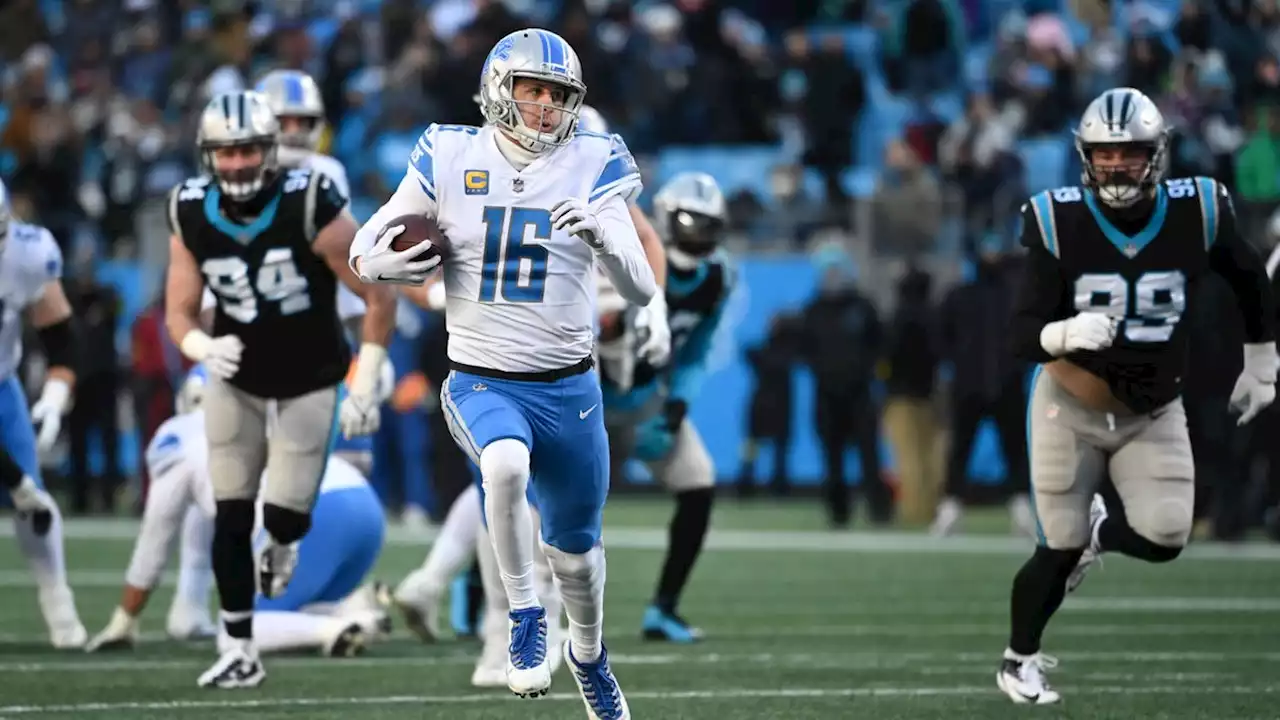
pixel 272 246
pixel 647 403
pixel 1111 267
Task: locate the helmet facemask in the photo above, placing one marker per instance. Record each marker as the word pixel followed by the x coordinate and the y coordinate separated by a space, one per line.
pixel 1128 172
pixel 300 132
pixel 535 124
pixel 242 182
pixel 692 236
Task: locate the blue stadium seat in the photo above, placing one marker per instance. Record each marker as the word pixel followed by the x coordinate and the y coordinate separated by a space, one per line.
pixel 859 182
pixel 947 106
pixel 977 66
pixel 1045 162
pixel 736 168
pixel 813 186
pixel 879 123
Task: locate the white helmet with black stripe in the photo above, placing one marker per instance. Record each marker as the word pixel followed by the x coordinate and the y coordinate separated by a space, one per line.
pixel 690 213
pixel 1123 143
pixel 238 139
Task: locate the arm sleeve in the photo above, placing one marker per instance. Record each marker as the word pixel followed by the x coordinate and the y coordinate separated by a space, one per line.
pixel 689 367
pixel 1241 266
pixel 325 201
pixel 622 256
pixel 167 502
pixel 171 213
pixel 620 175
pixel 338 174
pixel 1040 290
pixel 415 195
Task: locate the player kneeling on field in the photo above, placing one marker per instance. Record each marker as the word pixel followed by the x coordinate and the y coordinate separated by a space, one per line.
pixel 325 605
pixel 1111 267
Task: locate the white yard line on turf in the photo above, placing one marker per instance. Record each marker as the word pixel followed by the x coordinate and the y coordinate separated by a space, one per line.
pixel 690 695
pixel 868 660
pixel 639 538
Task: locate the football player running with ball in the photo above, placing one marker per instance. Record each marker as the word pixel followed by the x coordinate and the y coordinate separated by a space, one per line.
pixel 529 207
pixel 272 245
pixel 1111 267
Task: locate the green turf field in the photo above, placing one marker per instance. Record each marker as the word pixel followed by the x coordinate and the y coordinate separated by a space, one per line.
pixel 802 623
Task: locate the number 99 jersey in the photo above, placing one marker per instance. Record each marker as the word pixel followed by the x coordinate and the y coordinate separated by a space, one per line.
pixel 273 291
pixel 1144 273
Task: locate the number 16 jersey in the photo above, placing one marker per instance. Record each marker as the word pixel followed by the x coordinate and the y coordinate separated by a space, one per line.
pixel 521 295
pixel 272 290
pixel 1143 273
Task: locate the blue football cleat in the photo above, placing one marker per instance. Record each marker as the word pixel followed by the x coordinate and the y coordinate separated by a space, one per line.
pixel 668 627
pixel 600 691
pixel 528 674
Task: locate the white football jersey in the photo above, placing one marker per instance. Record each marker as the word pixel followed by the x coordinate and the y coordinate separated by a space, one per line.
pixel 177 462
pixel 521 296
pixel 29 259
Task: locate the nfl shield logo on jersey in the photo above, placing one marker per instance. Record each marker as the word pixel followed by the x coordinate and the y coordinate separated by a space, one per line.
pixel 1130 250
pixel 476 182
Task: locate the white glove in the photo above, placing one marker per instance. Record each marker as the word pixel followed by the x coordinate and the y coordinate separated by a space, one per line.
pixel 1086 331
pixel 1256 387
pixel 46 414
pixel 220 355
pixel 573 217
pixel 359 413
pixel 120 633
pixel 384 265
pixel 656 350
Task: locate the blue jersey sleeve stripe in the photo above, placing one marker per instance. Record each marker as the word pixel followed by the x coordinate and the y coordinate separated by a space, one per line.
pixel 616 171
pixel 1043 206
pixel 1208 192
pixel 423 162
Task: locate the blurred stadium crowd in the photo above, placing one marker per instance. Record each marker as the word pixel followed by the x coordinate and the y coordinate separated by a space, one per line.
pixel 887 142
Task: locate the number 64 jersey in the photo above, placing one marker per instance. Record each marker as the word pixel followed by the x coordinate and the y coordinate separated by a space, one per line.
pixel 1143 273
pixel 273 291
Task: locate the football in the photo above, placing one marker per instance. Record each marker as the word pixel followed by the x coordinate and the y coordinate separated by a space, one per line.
pixel 417 229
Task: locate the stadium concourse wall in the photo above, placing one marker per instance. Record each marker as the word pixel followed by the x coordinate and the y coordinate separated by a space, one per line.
pixel 767 286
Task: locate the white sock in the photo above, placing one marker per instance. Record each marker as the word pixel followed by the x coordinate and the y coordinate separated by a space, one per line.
pixel 195 569
pixel 581 582
pixel 504 467
pixel 44 554
pixel 456 542
pixel 278 631
pixel 495 596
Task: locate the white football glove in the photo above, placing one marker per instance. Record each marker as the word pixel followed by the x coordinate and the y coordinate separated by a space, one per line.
pixel 656 350
pixel 1256 387
pixel 384 265
pixel 1087 331
pixel 573 217
pixel 220 355
pixel 121 633
pixel 360 414
pixel 47 413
